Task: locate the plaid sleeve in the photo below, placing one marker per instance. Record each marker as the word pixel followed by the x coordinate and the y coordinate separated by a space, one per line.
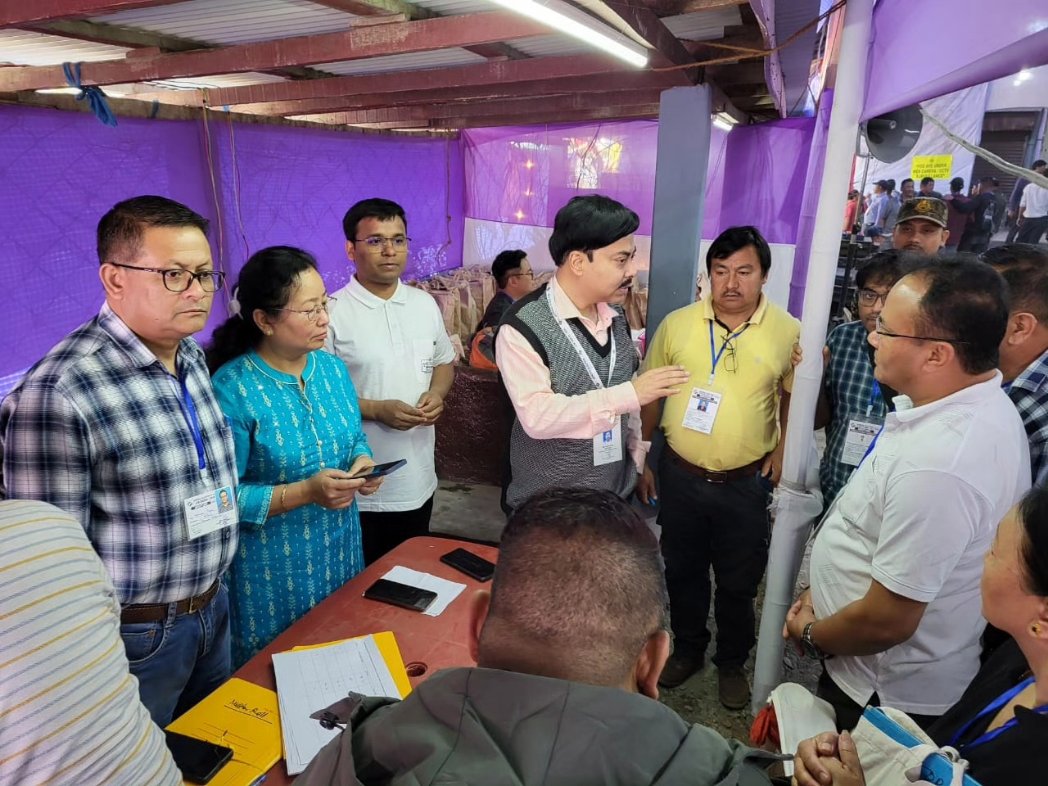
pixel 47 451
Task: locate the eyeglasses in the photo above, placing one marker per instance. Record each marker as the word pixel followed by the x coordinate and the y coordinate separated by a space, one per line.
pixel 731 361
pixel 881 331
pixel 312 314
pixel 375 242
pixel 178 280
pixel 869 297
pixel 528 274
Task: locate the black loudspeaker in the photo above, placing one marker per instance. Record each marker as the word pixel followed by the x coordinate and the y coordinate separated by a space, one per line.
pixel 891 136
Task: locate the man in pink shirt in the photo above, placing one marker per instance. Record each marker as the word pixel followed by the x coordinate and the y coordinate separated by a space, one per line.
pixel 568 363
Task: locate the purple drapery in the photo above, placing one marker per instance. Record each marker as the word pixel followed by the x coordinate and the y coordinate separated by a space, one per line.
pixel 934 47
pixel 62 170
pixel 810 203
pixel 764 175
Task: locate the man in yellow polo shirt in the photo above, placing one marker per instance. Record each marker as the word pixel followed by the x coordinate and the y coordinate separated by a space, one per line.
pixel 723 456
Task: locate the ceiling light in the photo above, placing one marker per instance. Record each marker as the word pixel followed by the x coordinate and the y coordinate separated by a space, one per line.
pixel 724 121
pixel 566 19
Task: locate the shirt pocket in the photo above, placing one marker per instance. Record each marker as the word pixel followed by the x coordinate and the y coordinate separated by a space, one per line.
pixel 423 350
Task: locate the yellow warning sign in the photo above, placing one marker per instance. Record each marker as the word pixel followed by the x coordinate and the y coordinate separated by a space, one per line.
pixel 939 167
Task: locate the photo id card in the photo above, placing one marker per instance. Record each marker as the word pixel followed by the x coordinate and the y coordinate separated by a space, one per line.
pixel 211 511
pixel 702 410
pixel 857 441
pixel 607 446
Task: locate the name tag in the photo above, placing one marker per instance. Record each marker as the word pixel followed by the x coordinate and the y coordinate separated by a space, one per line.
pixel 857 440
pixel 702 410
pixel 210 512
pixel 607 446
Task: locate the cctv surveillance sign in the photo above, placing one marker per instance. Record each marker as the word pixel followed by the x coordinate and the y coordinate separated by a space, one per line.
pixel 937 167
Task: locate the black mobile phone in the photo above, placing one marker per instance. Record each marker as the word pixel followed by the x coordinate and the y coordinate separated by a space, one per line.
pixel 198 760
pixel 381 470
pixel 469 563
pixel 402 595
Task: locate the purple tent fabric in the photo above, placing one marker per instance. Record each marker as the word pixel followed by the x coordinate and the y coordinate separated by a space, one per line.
pixel 62 170
pixel 764 177
pixel 934 47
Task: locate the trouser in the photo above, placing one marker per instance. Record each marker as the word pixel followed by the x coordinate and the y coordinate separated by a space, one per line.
pixel 1031 230
pixel 180 660
pixel 383 532
pixel 723 525
pixel 848 711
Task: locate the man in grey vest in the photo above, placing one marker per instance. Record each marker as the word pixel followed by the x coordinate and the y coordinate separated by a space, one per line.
pixel 567 359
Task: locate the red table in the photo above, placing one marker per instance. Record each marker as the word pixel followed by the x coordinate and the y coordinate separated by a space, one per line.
pixel 427 644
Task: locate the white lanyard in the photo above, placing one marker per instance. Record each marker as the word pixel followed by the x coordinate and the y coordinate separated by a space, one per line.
pixel 573 339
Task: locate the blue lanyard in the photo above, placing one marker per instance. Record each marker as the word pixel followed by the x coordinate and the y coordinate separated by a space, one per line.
pixel 875 393
pixel 993 706
pixel 190 413
pixel 717 355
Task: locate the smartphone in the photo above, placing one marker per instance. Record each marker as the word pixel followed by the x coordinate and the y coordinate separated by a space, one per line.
pixel 381 470
pixel 397 594
pixel 469 563
pixel 198 760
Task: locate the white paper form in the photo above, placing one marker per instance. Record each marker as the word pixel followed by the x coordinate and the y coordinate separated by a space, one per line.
pixel 446 590
pixel 310 680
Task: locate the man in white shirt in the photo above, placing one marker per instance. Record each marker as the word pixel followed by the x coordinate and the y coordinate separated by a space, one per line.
pixel 1033 209
pixel 896 565
pixel 392 339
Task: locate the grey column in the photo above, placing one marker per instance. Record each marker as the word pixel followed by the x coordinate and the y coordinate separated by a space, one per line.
pixel 680 195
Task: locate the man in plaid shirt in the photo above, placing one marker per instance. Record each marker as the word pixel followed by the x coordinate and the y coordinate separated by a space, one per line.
pixel 851 406
pixel 1024 350
pixel 118 425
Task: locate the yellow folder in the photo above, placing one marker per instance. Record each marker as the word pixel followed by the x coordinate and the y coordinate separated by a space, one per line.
pixel 242 716
pixel 387 647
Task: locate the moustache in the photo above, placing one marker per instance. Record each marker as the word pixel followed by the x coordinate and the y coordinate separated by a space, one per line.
pixel 627 284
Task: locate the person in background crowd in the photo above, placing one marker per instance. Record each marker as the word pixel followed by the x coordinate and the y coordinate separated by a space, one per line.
pixel 1000 723
pixel 392 339
pixel 515 278
pixel 1032 218
pixel 852 405
pixel 569 645
pixel 567 360
pixel 985 208
pixel 928 189
pixel 851 210
pixel 906 191
pixel 1024 349
pixel 921 227
pixel 873 219
pixel 118 426
pixel 724 445
pixel 71 712
pixel 1040 166
pixel 299 444
pixel 896 562
pixel 891 211
pixel 957 222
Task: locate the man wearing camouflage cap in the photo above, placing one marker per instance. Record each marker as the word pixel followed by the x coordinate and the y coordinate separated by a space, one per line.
pixel 921 226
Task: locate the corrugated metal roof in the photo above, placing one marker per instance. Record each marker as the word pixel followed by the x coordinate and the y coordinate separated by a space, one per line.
pixel 415 61
pixel 703 25
pixel 20 47
pixel 234 21
pixel 218 80
pixel 456 7
pixel 552 45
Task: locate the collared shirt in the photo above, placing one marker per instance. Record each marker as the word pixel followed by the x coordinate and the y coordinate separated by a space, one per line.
pixel 849 385
pixel 1029 393
pixel 747 422
pixel 918 516
pixel 891 213
pixel 875 212
pixel 391 348
pixel 71 712
pixel 99 429
pixel 544 414
pixel 1035 200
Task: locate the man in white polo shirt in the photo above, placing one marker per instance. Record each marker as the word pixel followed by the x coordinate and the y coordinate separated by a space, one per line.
pixel 896 566
pixel 1033 209
pixel 392 339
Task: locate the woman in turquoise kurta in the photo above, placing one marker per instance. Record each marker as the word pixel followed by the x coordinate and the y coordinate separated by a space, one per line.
pixel 296 426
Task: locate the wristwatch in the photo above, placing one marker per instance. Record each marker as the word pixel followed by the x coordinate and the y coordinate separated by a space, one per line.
pixel 811 649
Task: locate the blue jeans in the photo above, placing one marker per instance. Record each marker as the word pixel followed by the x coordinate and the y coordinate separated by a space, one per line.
pixel 180 660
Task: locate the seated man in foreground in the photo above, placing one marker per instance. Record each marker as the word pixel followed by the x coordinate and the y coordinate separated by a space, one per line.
pixel 570 644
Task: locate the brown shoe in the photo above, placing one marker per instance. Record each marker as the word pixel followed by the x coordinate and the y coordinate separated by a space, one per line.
pixel 679 668
pixel 733 688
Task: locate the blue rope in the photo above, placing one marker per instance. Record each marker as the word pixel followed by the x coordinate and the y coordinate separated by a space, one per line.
pixel 94 95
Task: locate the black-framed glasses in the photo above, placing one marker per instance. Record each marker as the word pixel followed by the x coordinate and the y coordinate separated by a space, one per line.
pixel 869 297
pixel 376 242
pixel 731 360
pixel 312 314
pixel 880 330
pixel 178 280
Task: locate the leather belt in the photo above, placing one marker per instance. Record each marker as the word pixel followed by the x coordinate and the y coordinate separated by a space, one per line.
pixel 714 475
pixel 157 612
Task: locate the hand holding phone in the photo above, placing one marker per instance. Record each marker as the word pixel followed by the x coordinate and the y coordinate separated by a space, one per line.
pixel 380 470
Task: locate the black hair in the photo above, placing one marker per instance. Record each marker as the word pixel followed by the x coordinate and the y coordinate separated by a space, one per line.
pixel 926 180
pixel 735 239
pixel 506 261
pixel 957 185
pixel 965 300
pixel 891 184
pixel 382 209
pixel 578 588
pixel 266 282
pixel 120 230
pixel 905 180
pixel 1039 162
pixel 884 267
pixel 1025 269
pixel 587 223
pixel 1033 519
